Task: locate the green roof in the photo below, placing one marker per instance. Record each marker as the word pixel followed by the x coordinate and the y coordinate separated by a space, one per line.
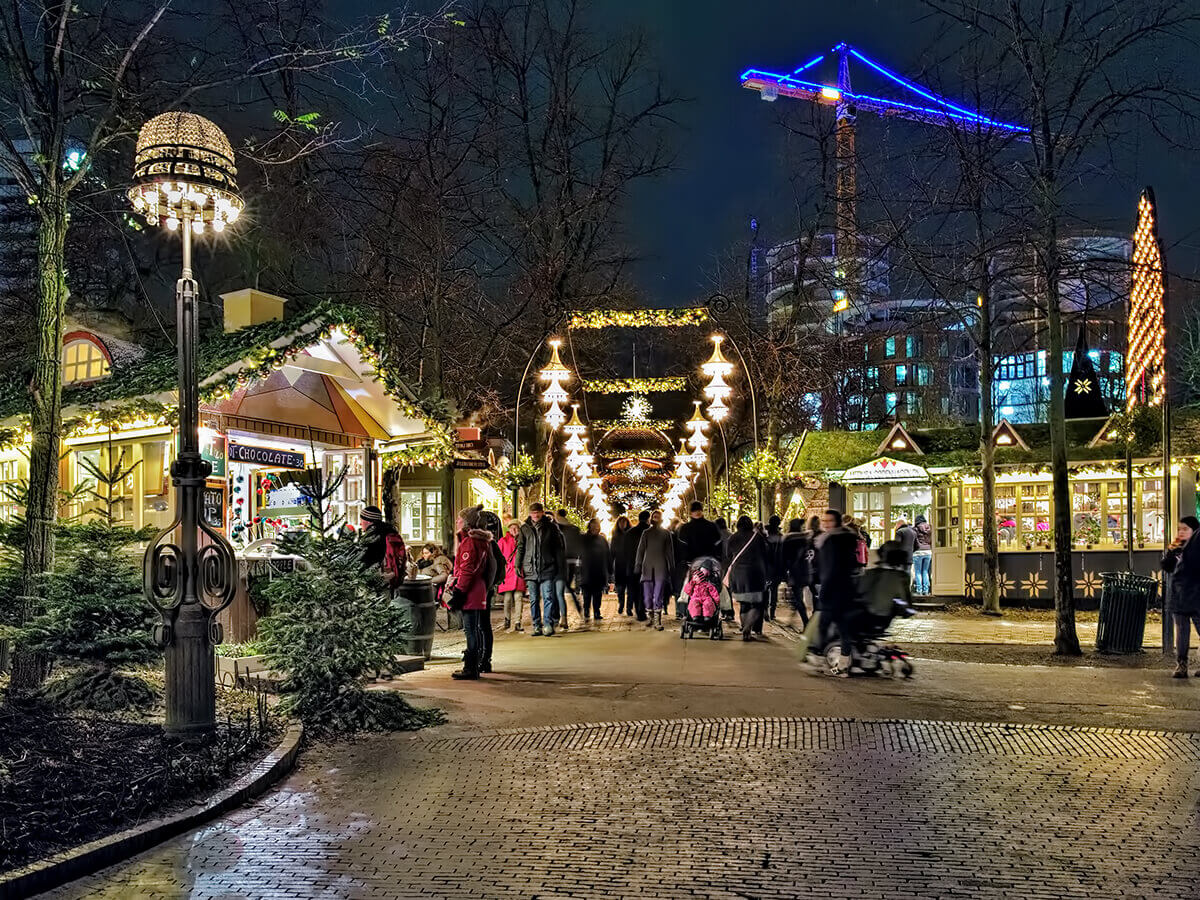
pixel 157 373
pixel 835 451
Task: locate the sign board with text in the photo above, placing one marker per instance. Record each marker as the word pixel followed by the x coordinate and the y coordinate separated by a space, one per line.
pixel 470 464
pixel 266 456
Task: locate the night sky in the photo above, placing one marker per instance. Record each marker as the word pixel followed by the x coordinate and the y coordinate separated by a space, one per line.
pixel 728 153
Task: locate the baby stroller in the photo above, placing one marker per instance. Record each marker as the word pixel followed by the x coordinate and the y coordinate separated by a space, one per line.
pixel 704 570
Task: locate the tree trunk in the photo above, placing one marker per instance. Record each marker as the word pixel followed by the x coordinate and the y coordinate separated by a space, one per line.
pixel 772 488
pixel 1066 640
pixel 45 413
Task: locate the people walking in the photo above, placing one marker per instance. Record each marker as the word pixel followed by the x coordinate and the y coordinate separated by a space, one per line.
pixel 923 557
pixel 629 550
pixel 747 575
pixel 473 575
pixel 795 564
pixel 655 563
pixel 512 588
pixel 567 576
pixel 595 569
pixel 540 557
pixel 622 567
pixel 837 566
pixel 775 574
pixel 1182 562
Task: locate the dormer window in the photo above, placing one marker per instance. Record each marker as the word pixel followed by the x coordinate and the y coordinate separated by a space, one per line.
pixel 84 359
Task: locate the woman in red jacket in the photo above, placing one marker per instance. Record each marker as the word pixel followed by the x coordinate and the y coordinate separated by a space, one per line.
pixel 474 570
pixel 512 588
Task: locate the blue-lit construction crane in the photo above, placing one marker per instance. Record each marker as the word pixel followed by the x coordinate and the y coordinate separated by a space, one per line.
pixel 930 108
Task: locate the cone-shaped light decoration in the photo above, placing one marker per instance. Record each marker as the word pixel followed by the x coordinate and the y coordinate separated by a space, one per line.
pixel 555 372
pixel 556 393
pixel 717 365
pixel 697 425
pixel 574 443
pixel 717 389
pixel 555 417
pixel 574 427
pixel 717 411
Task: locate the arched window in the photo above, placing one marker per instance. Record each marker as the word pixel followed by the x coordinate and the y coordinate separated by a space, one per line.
pixel 84 358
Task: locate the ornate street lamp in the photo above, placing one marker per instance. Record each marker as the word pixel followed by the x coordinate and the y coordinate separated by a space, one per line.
pixel 184 177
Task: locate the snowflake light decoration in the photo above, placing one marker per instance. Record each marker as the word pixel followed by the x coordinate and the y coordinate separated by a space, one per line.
pixel 636 409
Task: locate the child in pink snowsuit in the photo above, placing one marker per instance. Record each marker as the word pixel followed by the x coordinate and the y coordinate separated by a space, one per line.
pixel 703 597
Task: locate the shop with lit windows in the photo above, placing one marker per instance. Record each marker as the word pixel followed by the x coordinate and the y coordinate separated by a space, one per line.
pixel 882 476
pixel 289 407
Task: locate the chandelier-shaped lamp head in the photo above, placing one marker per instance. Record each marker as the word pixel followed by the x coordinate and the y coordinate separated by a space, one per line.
pixel 183 172
pixel 717 365
pixel 717 411
pixel 575 427
pixel 555 372
pixel 555 417
pixel 717 389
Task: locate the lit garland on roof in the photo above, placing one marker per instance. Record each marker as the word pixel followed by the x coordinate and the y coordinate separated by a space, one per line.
pixel 1145 377
pixel 624 426
pixel 637 385
pixel 639 318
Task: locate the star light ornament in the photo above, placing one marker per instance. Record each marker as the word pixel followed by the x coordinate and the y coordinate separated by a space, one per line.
pixel 636 409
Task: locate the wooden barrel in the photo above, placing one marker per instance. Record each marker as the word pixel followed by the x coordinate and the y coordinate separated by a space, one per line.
pixel 418 597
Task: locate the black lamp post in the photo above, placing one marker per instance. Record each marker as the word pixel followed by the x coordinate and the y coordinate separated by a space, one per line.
pixel 184 177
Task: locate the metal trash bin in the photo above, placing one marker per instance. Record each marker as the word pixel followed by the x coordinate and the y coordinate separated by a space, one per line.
pixel 1124 599
pixel 418 597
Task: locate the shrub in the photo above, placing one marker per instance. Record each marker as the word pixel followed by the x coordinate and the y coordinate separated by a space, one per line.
pixel 329 627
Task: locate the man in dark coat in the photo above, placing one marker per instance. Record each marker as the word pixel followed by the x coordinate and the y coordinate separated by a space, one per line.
pixel 629 549
pixel 655 561
pixel 775 575
pixel 837 563
pixel 541 556
pixel 698 536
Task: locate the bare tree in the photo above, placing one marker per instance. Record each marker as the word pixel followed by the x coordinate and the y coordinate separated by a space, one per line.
pixel 77 80
pixel 1085 74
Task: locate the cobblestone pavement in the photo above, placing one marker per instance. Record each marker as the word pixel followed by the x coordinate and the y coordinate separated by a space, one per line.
pixel 723 808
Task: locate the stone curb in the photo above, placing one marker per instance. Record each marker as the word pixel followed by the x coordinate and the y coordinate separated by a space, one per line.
pixel 90 858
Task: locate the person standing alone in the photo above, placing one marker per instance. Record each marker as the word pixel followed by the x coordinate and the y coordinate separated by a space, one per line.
pixel 923 557
pixel 1182 561
pixel 655 563
pixel 540 557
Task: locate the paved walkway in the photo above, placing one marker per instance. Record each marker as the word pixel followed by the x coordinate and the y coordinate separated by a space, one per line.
pixel 722 808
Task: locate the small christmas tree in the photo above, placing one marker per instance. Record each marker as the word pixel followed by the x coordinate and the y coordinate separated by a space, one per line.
pixel 95 613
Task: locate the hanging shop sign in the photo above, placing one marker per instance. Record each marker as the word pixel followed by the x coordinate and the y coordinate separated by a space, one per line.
pixel 212 448
pixel 266 456
pixel 884 470
pixel 466 446
pixel 471 464
pixel 212 505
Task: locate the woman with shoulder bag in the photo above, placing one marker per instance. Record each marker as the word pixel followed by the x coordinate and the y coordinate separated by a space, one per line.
pixel 746 576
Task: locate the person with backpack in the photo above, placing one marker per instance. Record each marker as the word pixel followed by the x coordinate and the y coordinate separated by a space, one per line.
pixel 472 579
pixel 795 564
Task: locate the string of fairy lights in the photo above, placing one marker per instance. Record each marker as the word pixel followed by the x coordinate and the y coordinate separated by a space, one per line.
pixel 632 484
pixel 1145 374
